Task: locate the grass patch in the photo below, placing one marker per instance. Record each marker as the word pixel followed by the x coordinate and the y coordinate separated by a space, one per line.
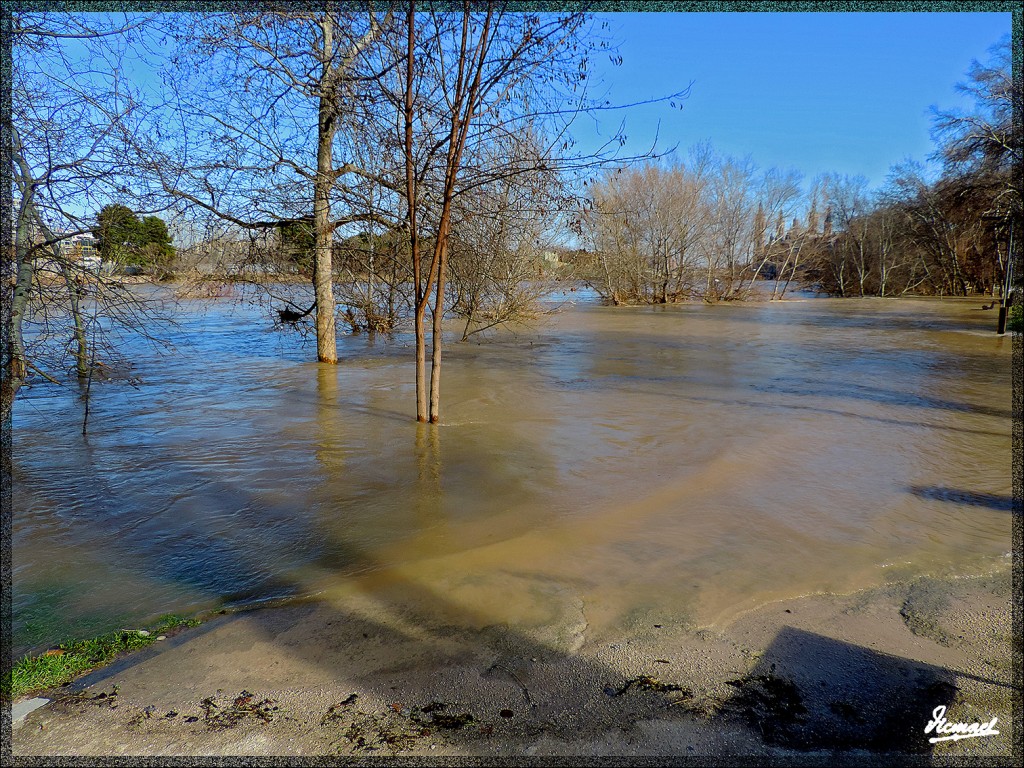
pixel 67 661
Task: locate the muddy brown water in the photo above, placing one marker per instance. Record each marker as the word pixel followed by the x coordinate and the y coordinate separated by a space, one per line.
pixel 603 471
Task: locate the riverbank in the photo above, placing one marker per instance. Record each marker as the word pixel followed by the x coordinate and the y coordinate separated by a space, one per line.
pixel 862 673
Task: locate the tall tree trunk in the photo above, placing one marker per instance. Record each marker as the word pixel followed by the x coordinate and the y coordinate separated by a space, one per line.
pixel 15 364
pixel 411 220
pixel 472 64
pixel 370 288
pixel 463 103
pixel 323 283
pixel 435 351
pixel 16 368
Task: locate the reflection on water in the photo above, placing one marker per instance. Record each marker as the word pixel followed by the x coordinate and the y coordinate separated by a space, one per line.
pixel 612 468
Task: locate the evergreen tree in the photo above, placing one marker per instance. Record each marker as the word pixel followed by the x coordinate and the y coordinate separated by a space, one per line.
pixel 126 241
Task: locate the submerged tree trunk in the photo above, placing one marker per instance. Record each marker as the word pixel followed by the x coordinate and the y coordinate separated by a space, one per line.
pixel 81 344
pixel 438 313
pixel 323 283
pixel 792 271
pixel 421 366
pixel 435 352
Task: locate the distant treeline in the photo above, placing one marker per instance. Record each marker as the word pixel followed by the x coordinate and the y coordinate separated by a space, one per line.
pixel 709 226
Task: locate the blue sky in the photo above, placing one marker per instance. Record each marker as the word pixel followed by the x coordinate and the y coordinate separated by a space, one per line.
pixel 844 92
pixel 815 92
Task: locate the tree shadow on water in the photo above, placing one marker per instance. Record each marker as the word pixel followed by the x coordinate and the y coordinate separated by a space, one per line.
pixel 467 670
pixel 969 498
pixel 468 677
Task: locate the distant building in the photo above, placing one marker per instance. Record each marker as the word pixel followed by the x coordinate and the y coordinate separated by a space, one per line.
pixel 81 250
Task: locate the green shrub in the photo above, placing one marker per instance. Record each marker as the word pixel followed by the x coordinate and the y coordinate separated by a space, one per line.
pixel 1015 319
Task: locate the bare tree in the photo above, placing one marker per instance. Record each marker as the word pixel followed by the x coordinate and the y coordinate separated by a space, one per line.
pixel 732 203
pixel 500 232
pixel 71 105
pixel 982 151
pixel 258 145
pixel 929 220
pixel 648 226
pixel 849 201
pixel 778 195
pixel 375 279
pixel 467 81
pixel 988 138
pixel 895 270
pixel 693 230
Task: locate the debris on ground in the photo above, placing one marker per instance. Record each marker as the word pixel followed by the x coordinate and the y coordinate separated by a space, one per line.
pixel 244 705
pixel 769 703
pixel 433 715
pixel 398 728
pixel 337 711
pixel 648 683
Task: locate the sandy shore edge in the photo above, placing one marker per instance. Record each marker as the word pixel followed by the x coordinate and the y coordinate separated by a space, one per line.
pixel 861 674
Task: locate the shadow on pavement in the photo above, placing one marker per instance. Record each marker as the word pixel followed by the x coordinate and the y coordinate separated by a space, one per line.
pixel 809 692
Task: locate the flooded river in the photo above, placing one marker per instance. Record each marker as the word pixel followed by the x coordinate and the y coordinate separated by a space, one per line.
pixel 606 469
